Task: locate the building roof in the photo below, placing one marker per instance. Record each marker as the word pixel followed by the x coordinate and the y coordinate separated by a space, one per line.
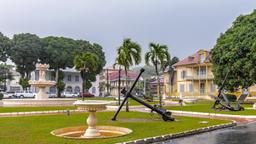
pixel 115 74
pixel 193 59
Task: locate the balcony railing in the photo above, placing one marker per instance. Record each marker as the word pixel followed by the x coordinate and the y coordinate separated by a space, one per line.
pixel 199 77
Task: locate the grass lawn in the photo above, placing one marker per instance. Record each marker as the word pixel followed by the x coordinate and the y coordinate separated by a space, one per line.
pixel 205 106
pixel 36 129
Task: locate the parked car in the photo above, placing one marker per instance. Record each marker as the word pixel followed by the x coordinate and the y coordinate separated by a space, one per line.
pixel 9 95
pixel 86 94
pixel 69 95
pixel 52 95
pixel 25 95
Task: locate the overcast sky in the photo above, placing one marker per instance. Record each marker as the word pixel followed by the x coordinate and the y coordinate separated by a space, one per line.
pixel 185 26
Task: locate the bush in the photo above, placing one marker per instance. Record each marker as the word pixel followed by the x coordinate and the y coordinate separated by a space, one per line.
pixel 1 96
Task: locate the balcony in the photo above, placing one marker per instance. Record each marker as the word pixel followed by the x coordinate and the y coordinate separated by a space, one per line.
pixel 199 77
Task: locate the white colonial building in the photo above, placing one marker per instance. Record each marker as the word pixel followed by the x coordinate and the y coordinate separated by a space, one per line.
pixel 72 79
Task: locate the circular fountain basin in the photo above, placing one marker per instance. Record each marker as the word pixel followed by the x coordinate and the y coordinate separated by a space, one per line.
pixel 91 105
pixel 42 83
pixel 78 132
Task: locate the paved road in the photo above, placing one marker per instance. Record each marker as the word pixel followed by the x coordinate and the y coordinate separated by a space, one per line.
pixel 245 134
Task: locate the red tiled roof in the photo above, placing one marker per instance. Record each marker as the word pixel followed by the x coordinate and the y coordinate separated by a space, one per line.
pixel 115 74
pixel 193 59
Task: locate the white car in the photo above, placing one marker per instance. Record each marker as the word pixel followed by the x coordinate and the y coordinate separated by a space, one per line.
pixel 25 95
pixel 68 94
pixel 9 95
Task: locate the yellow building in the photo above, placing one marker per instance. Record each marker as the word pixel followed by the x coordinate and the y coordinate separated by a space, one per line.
pixel 193 77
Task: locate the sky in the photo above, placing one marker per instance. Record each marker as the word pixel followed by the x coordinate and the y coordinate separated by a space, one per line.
pixel 185 26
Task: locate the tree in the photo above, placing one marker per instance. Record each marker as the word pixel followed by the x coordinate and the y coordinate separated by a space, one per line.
pixel 157 55
pixel 5 74
pixel 5 45
pixel 58 52
pixel 24 83
pixel 128 54
pixel 87 64
pixel 85 46
pixel 24 52
pixel 169 64
pixel 235 54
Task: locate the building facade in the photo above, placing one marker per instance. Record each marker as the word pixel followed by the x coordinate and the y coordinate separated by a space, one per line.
pixel 72 80
pixel 109 81
pixel 193 77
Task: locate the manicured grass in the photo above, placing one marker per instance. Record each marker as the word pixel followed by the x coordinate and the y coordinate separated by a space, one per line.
pixel 205 106
pixel 36 129
pixel 28 109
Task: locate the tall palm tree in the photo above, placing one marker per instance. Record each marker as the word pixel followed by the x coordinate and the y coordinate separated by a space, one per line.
pixel 87 63
pixel 157 55
pixel 128 54
pixel 169 64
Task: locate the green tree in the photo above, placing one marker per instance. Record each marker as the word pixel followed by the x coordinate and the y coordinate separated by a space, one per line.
pixel 86 46
pixel 87 63
pixel 235 54
pixel 170 69
pixel 5 74
pixel 24 83
pixel 5 45
pixel 157 55
pixel 24 52
pixel 128 54
pixel 58 52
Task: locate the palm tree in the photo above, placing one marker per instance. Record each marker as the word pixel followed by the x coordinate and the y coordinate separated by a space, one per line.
pixel 158 55
pixel 169 64
pixel 128 54
pixel 87 63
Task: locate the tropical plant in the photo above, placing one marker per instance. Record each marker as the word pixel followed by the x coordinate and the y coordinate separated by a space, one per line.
pixel 169 64
pixel 235 54
pixel 87 63
pixel 128 54
pixel 157 55
pixel 24 83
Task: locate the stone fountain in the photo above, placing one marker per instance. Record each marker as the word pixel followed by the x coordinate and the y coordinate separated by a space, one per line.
pixel 91 131
pixel 41 98
pixel 42 83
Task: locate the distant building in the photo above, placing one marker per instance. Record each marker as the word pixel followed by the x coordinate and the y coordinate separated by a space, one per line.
pixel 72 79
pixel 109 80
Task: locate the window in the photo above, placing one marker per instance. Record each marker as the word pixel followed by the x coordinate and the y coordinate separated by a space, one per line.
pixel 69 77
pixel 202 58
pixel 77 78
pixel 191 88
pixel 201 71
pixel 53 89
pixel 182 88
pixel 183 74
pixel 93 90
pixel 77 89
pixel 69 89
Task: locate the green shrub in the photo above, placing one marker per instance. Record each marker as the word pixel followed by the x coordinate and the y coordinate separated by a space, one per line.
pixel 1 96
